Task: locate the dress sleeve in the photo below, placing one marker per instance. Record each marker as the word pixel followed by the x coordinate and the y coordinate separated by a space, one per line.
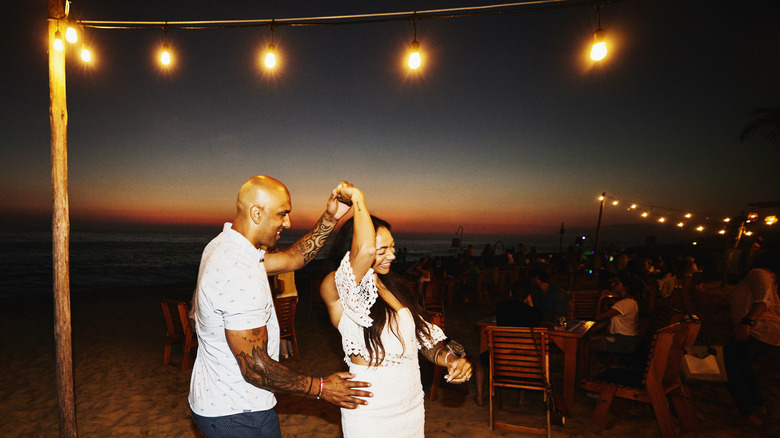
pixel 437 335
pixel 356 299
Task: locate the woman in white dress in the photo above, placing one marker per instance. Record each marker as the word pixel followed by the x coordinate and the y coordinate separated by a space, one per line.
pixel 382 329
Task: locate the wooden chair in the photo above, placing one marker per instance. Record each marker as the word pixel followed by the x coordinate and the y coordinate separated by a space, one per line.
pixel 438 319
pixel 433 296
pixel 659 378
pixel 583 304
pixel 315 300
pixel 178 330
pixel 285 313
pixel 519 358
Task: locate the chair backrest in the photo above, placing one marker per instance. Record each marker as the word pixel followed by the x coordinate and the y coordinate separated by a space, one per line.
pixel 667 352
pixel 285 313
pixel 584 304
pixel 433 296
pixel 177 322
pixel 518 357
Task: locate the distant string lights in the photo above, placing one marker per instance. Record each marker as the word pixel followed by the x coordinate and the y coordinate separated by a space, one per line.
pixel 691 220
pixel 269 58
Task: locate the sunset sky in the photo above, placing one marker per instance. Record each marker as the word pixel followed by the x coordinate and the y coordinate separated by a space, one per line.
pixel 508 127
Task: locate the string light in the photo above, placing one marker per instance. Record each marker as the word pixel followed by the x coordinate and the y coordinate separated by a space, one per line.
pixel 599 49
pixel 270 56
pixel 414 55
pixel 58 44
pixel 165 55
pixel 71 35
pixel 85 55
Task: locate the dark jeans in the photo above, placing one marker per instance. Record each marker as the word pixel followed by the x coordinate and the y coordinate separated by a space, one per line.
pixel 261 424
pixel 743 381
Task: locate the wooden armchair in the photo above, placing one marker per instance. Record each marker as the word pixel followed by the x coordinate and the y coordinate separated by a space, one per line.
pixel 178 330
pixel 433 296
pixel 519 358
pixel 651 384
pixel 285 313
pixel 584 304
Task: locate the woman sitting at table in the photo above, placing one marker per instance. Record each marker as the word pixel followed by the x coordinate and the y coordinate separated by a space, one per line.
pixel 621 319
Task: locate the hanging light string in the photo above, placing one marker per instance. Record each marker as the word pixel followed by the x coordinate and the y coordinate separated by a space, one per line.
pixel 717 223
pixel 496 9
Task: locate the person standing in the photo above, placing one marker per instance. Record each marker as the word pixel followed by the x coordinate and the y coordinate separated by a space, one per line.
pixel 755 309
pixel 236 369
pixel 382 329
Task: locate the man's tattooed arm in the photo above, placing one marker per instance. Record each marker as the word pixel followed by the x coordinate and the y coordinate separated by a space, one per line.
pixel 309 245
pixel 259 369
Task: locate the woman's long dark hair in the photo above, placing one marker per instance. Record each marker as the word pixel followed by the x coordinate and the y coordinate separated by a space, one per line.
pixel 381 313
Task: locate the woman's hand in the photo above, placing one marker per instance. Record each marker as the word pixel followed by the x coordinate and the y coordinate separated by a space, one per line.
pixel 458 370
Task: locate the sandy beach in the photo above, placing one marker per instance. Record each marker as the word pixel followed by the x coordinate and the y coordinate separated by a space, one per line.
pixel 123 390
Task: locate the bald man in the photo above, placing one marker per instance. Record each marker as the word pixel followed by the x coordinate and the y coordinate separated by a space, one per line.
pixel 237 368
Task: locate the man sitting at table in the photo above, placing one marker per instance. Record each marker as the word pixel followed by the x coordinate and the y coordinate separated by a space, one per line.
pixel 519 312
pixel 551 299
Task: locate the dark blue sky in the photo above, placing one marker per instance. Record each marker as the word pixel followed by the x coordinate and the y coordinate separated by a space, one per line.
pixel 508 127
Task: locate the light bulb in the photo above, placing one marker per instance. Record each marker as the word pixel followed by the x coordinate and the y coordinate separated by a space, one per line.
pixel 414 57
pixel 58 45
pixel 270 57
pixel 85 55
pixel 71 35
pixel 165 56
pixel 599 50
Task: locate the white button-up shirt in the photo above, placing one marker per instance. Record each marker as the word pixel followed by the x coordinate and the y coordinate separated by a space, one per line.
pixel 232 293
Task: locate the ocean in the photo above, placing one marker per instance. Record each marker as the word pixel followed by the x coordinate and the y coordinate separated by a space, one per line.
pixel 112 259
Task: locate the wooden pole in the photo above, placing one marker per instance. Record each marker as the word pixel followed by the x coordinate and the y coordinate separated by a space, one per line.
pixel 58 118
pixel 598 232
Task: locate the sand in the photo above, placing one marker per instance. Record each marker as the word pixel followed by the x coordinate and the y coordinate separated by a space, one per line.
pixel 123 390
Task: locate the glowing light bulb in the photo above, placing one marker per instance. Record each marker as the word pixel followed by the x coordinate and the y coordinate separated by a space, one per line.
pixel 165 56
pixel 680 224
pixel 414 56
pixel 727 220
pixel 644 214
pixel 700 228
pixel 633 206
pixel 615 202
pixel 270 57
pixel 722 232
pixel 661 219
pixel 599 49
pixel 748 233
pixel 601 198
pixel 85 55
pixel 687 215
pixel 71 35
pixel 770 220
pixel 58 44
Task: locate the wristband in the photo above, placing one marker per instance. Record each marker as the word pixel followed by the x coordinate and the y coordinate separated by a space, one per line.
pixel 449 353
pixel 320 393
pixel 748 321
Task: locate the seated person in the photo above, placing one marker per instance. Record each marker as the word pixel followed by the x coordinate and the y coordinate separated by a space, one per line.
pixel 518 312
pixel 549 298
pixel 621 320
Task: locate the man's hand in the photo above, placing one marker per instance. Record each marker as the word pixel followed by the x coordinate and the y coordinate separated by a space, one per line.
pixel 336 208
pixel 338 390
pixel 458 371
pixel 743 333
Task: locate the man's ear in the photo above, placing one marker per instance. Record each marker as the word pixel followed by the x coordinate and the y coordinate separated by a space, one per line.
pixel 256 213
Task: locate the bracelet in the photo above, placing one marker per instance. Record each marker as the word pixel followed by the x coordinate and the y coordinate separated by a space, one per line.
pixel 320 393
pixel 449 353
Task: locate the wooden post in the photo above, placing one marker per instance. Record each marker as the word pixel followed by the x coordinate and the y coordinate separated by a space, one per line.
pixel 58 118
pixel 597 256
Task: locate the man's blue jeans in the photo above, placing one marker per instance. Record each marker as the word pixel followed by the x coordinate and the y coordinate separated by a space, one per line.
pixel 263 424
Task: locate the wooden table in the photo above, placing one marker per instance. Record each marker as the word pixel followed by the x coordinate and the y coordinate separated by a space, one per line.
pixel 571 341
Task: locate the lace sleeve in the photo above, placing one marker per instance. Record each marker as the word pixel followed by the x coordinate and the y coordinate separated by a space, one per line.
pixel 356 299
pixel 437 335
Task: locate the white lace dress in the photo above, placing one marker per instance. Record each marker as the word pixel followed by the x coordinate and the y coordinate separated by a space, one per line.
pixel 397 409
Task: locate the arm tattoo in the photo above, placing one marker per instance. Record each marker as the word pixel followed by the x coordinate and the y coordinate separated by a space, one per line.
pixel 259 369
pixel 309 245
pixel 432 354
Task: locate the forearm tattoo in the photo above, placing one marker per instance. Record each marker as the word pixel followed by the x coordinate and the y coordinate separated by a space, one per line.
pixel 262 371
pixel 309 245
pixel 433 354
